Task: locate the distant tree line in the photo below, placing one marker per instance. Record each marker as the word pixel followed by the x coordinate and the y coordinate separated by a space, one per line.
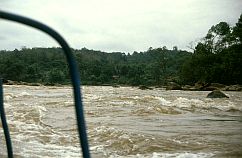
pixel 216 58
pixel 48 66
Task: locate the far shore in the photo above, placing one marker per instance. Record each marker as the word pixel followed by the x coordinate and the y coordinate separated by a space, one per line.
pixel 169 86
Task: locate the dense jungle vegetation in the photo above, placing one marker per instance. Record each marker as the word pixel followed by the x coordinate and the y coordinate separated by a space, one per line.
pixel 215 58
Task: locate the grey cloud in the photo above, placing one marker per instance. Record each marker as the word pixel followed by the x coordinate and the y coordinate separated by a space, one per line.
pixel 120 25
pixel 2 38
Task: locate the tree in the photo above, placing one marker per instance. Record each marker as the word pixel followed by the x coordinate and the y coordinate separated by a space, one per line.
pixel 217 57
pixel 238 29
pixel 55 76
pixel 175 48
pixel 216 38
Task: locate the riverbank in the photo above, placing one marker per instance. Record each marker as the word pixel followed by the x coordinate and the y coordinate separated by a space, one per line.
pixel 169 86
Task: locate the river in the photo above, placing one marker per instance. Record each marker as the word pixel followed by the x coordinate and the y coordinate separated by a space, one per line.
pixel 122 122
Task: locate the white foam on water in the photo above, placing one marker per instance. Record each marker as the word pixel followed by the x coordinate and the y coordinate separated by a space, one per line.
pixel 180 142
pixel 182 155
pixel 41 110
pixel 68 103
pixel 166 155
pixel 23 94
pixel 186 103
pixel 164 101
pixel 196 104
pixel 8 96
pixel 7 105
pixel 36 149
pixel 97 148
pixel 120 102
pixel 91 97
pixel 228 106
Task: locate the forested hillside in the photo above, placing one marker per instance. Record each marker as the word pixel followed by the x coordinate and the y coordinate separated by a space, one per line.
pixel 48 65
pixel 216 58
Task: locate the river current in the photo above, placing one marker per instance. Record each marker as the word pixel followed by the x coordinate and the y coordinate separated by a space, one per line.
pixel 122 122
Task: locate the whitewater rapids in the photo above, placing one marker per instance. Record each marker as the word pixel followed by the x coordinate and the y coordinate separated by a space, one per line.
pixel 122 122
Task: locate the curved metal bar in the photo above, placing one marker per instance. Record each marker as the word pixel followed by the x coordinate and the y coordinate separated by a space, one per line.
pixel 4 123
pixel 75 77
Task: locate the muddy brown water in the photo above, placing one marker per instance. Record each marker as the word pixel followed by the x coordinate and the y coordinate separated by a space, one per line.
pixel 123 122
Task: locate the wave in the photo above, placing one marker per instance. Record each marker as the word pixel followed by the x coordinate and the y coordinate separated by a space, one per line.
pixel 202 105
pixel 149 105
pixel 182 155
pixel 116 142
pixel 9 96
pixel 167 155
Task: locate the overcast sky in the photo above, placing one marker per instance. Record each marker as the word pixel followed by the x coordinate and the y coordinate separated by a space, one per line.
pixel 116 25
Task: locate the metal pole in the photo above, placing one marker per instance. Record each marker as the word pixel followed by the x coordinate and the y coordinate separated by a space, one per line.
pixel 4 123
pixel 75 77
